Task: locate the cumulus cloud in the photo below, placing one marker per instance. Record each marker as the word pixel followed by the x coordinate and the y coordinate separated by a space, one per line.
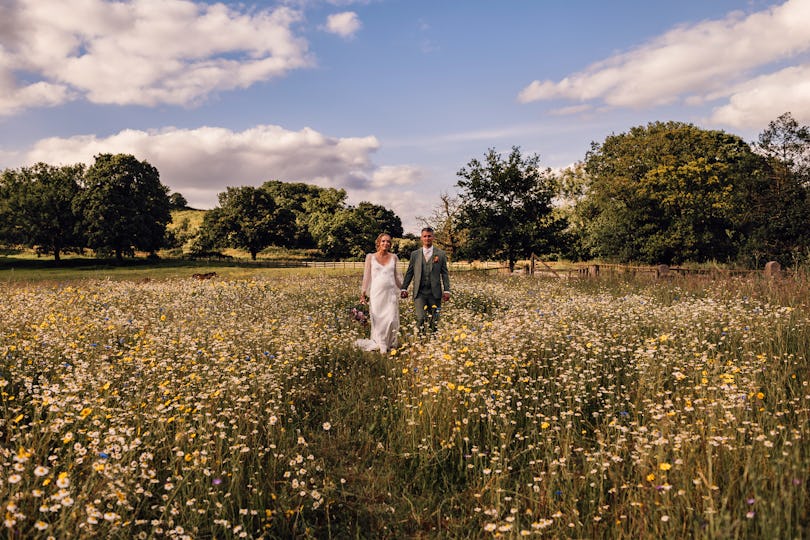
pixel 200 163
pixel 344 24
pixel 139 51
pixel 348 2
pixel 691 62
pixel 406 204
pixel 396 175
pixel 14 99
pixel 763 99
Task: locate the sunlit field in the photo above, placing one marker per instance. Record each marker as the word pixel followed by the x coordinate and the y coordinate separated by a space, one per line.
pixel 238 408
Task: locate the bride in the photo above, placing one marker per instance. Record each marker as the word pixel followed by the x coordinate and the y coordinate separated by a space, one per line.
pixel 382 281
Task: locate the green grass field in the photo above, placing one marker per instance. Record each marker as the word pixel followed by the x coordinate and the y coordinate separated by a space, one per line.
pixel 31 271
pixel 238 407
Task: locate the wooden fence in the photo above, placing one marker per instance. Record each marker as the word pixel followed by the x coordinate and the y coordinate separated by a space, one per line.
pixel 456 266
pixel 538 268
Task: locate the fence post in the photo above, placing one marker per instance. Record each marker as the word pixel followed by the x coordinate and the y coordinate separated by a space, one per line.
pixel 773 270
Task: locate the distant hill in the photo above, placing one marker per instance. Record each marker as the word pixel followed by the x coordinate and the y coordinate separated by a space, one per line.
pixel 185 224
pixel 188 218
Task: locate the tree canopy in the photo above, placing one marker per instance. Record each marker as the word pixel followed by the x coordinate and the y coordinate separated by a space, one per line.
pixel 387 220
pixel 775 206
pixel 296 215
pixel 39 203
pixel 123 205
pixel 506 207
pixel 300 199
pixel 346 233
pixel 248 218
pixel 665 193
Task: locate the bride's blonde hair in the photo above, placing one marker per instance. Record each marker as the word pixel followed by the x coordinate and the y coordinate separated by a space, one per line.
pixel 380 237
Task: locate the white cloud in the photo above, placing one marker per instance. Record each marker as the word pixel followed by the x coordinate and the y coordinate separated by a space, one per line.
pixel 490 136
pixel 573 109
pixel 344 24
pixel 348 2
pixel 200 163
pixel 396 175
pixel 690 62
pixel 405 204
pixel 763 99
pixel 140 52
pixel 14 99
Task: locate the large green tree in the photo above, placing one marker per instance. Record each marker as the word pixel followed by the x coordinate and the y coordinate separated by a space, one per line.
pixel 786 144
pixel 506 207
pixel 338 230
pixel 178 202
pixel 248 218
pixel 666 193
pixel 295 215
pixel 123 206
pixel 39 207
pixel 775 206
pixel 346 233
pixel 335 229
pixel 300 199
pixel 9 233
pixel 387 220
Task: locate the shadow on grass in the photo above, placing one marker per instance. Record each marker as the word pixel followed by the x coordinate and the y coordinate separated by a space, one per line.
pixel 7 263
pixel 22 270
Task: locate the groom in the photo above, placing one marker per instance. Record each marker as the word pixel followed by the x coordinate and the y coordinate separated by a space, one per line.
pixel 427 267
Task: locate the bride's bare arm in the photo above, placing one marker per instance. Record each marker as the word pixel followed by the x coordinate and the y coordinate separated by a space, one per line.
pixel 366 277
pixel 397 272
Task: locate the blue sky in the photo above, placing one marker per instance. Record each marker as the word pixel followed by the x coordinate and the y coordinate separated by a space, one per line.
pixel 387 99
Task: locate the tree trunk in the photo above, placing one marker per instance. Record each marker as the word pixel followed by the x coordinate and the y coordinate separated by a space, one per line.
pixel 57 249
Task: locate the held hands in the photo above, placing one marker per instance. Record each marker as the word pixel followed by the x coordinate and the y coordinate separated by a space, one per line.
pixel 445 295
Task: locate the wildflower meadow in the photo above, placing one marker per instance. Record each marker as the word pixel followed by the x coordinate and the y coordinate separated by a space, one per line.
pixel 239 408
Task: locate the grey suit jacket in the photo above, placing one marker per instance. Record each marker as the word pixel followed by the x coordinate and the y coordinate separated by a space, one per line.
pixel 439 275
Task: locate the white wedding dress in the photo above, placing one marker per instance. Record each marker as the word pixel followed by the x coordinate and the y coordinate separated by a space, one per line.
pixel 381 284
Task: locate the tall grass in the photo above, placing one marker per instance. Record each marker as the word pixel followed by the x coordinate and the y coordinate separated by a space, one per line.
pixel 239 408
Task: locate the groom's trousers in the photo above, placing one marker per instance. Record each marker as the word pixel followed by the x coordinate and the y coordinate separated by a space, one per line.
pixel 426 309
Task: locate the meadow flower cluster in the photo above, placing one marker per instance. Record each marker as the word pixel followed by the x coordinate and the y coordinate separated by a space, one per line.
pixel 611 410
pixel 240 409
pixel 161 408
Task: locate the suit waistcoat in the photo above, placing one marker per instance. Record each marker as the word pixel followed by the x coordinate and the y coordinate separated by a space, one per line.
pixel 424 282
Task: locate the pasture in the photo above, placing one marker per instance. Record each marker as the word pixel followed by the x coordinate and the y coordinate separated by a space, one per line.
pixel 237 407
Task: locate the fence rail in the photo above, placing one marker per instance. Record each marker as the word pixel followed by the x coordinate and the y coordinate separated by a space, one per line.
pixel 539 268
pixel 484 265
pixel 662 271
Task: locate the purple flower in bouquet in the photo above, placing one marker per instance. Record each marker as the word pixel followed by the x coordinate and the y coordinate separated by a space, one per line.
pixel 359 315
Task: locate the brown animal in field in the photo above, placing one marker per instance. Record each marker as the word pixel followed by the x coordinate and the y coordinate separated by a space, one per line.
pixel 207 275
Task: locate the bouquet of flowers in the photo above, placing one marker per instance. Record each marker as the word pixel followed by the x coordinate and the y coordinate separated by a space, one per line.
pixel 359 314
